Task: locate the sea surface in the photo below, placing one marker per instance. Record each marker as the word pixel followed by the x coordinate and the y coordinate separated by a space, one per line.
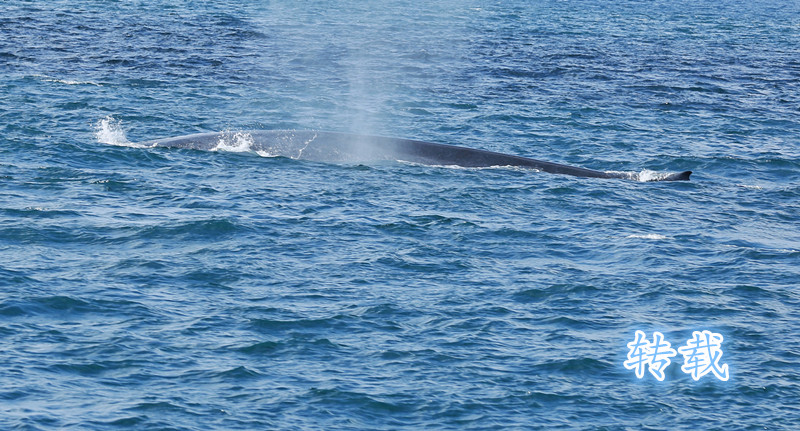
pixel 170 289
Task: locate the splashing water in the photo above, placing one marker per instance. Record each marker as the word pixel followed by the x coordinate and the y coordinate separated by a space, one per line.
pixel 239 142
pixel 647 175
pixel 644 176
pixel 109 131
pixel 234 142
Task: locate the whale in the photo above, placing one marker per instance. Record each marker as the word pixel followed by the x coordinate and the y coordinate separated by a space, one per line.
pixel 338 147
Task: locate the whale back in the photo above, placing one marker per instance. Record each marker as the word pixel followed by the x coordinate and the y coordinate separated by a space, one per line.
pixel 335 147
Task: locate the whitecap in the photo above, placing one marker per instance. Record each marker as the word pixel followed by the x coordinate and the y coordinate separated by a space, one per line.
pixel 653 236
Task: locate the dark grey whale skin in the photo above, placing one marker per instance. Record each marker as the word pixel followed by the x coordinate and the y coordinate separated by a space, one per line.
pixel 352 148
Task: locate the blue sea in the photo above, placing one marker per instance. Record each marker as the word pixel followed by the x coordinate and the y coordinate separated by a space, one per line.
pixel 177 289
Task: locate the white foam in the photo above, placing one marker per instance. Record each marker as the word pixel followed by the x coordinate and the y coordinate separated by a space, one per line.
pixel 66 81
pixel 263 153
pixel 648 175
pixel 751 187
pixel 469 168
pixel 71 82
pixel 645 175
pixel 625 175
pixel 653 236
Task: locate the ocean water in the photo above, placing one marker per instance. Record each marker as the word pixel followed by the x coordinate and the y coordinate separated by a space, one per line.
pixel 167 289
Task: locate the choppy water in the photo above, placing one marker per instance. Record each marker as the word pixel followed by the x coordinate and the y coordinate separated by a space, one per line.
pixel 178 289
